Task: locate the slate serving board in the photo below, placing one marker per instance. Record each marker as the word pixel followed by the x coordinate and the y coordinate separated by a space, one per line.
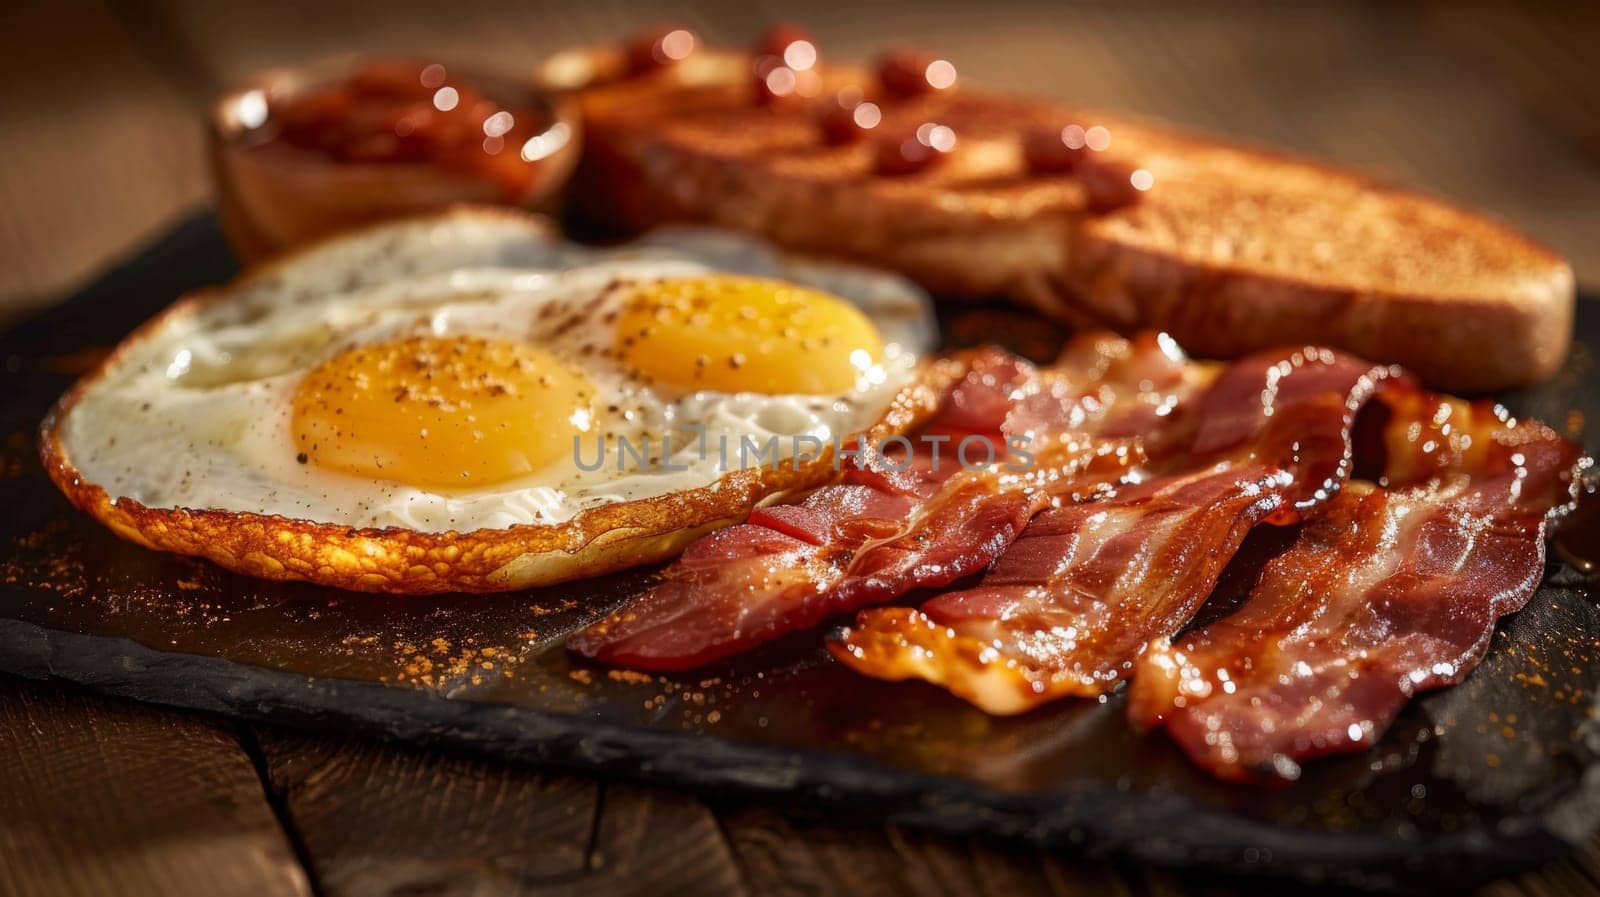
pixel 1499 773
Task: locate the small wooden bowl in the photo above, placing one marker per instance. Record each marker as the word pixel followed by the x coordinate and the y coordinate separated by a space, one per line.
pixel 272 197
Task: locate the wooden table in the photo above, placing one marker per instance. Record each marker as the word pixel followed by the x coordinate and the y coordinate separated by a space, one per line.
pixel 99 111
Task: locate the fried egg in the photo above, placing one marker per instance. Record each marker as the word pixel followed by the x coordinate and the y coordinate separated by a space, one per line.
pixel 467 402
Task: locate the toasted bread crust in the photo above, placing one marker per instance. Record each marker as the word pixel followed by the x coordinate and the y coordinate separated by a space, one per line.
pixel 1234 249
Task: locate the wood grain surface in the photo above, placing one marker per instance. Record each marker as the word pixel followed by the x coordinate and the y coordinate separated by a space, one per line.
pixel 377 819
pixel 103 797
pixel 100 150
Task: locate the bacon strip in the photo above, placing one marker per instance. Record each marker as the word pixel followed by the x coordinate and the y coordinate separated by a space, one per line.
pixel 1070 606
pixel 1388 593
pixel 877 534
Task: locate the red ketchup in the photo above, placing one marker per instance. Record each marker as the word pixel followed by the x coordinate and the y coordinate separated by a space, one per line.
pixel 910 152
pixel 911 73
pixel 849 117
pixel 791 44
pixel 659 48
pixel 785 65
pixel 1054 150
pixel 391 113
pixel 1078 151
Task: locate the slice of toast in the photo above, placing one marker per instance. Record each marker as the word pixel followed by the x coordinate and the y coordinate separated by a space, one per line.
pixel 1232 249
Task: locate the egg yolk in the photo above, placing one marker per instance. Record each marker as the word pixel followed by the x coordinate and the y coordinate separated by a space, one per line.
pixel 745 334
pixel 441 412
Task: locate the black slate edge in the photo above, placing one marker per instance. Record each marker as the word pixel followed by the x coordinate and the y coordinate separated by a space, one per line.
pixel 1091 820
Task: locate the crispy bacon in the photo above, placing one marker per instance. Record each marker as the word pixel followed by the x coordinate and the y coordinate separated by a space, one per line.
pixel 1387 593
pixel 877 533
pixel 1067 609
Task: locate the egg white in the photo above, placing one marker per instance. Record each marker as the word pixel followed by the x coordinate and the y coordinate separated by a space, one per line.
pixel 195 413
